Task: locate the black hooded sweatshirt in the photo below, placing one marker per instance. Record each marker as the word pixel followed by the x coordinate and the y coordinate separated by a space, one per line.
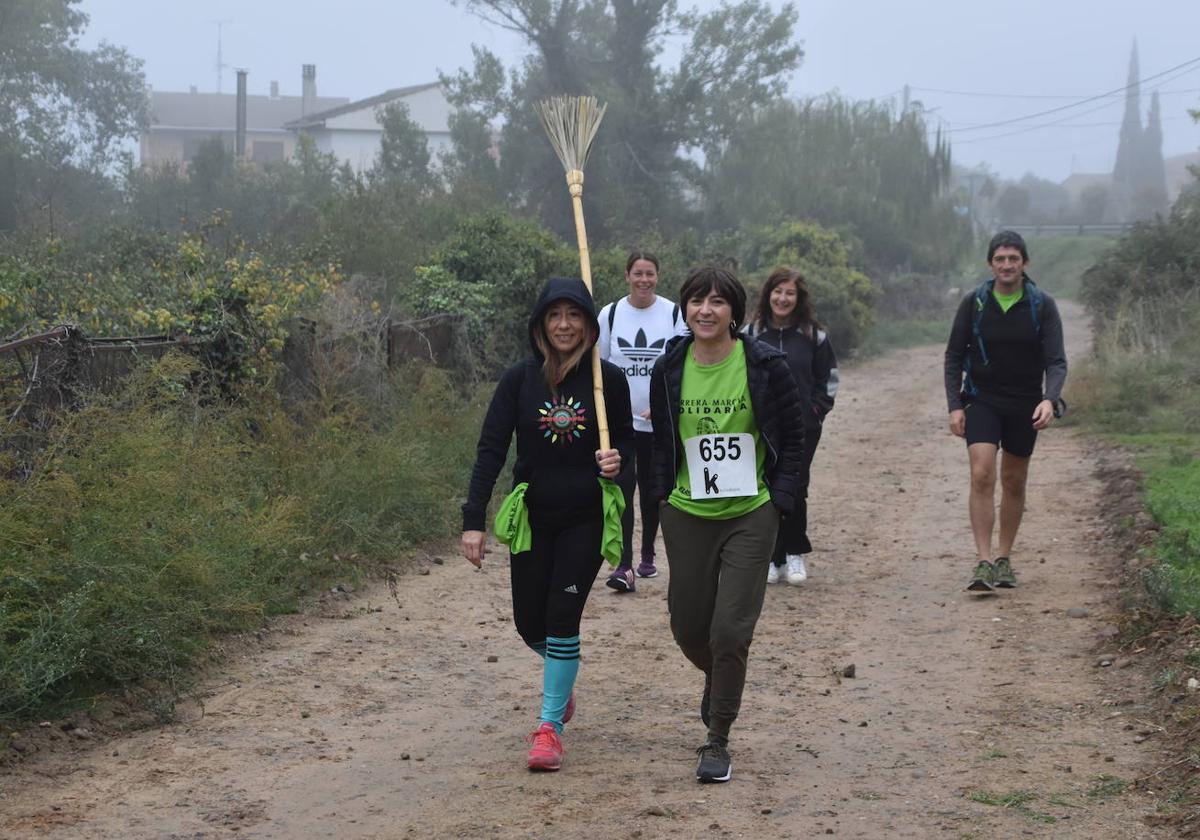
pixel 557 437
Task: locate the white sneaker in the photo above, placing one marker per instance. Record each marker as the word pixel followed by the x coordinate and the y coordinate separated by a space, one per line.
pixel 772 572
pixel 797 573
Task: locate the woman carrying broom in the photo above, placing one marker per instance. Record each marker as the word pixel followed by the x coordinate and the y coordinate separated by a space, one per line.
pixel 548 401
pixel 728 447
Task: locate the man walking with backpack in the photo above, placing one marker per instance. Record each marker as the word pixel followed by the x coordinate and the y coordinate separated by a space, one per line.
pixel 1005 368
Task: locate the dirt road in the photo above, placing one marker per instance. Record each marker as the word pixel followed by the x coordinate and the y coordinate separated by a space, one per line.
pixel 378 718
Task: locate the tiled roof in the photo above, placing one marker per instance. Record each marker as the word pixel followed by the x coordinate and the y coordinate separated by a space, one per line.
pixel 317 118
pixel 219 110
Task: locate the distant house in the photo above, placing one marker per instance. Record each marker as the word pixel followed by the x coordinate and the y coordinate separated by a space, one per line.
pixel 352 131
pixel 1178 171
pixel 181 122
pixel 1077 182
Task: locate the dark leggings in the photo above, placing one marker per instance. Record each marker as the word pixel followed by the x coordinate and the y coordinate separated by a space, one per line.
pixel 551 581
pixel 793 530
pixel 641 470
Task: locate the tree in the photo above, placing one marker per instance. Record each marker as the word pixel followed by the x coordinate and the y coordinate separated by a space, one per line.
pixel 403 151
pixel 1093 200
pixel 736 58
pixel 470 166
pixel 856 165
pixel 1013 205
pixel 60 104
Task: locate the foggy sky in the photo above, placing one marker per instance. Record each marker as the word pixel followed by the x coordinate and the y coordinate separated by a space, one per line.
pixel 1040 54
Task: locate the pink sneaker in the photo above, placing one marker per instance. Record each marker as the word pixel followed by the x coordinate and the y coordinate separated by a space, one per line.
pixel 546 749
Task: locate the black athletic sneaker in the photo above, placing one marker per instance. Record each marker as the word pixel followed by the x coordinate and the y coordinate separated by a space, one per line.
pixel 1002 574
pixel 714 763
pixel 984 578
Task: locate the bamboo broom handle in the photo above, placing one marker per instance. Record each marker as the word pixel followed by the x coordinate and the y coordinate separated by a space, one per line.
pixel 575 185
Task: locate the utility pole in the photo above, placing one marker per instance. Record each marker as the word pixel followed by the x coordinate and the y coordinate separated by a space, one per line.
pixel 221 65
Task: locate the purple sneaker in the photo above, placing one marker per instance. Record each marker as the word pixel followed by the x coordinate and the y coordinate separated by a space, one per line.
pixel 646 568
pixel 621 579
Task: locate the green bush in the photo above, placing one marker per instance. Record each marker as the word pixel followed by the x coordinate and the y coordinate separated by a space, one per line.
pixel 225 297
pixel 155 521
pixel 1142 385
pixel 843 296
pixel 1145 294
pixel 487 274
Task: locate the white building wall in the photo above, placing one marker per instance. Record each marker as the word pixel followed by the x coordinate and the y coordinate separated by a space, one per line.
pixel 355 137
pixel 361 148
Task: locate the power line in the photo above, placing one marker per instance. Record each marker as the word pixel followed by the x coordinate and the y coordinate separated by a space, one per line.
pixel 1086 100
pixel 984 95
pixel 1108 124
pixel 1054 123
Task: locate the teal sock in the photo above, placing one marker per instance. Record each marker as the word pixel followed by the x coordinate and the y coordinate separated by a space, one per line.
pixel 558 677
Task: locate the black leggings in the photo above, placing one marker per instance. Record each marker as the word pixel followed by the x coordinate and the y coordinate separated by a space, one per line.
pixel 551 581
pixel 793 530
pixel 641 470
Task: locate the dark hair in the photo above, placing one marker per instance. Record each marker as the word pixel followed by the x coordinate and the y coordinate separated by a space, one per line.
pixel 710 278
pixel 556 366
pixel 1007 239
pixel 802 314
pixel 638 254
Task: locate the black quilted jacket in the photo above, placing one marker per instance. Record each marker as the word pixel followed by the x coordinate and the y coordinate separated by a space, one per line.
pixel 777 412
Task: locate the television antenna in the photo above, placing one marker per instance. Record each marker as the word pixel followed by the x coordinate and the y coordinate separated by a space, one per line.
pixel 221 65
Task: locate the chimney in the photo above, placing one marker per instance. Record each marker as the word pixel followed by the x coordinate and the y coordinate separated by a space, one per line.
pixel 308 88
pixel 240 135
pixel 274 89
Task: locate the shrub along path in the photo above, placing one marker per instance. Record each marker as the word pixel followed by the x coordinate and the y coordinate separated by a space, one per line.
pixel 379 717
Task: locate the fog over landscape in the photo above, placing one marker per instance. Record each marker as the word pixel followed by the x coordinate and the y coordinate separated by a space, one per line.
pixel 282 281
pixel 970 64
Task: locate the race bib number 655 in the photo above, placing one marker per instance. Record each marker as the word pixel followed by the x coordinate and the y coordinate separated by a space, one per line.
pixel 721 466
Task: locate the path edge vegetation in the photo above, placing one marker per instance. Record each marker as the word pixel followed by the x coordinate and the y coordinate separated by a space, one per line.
pixel 1139 392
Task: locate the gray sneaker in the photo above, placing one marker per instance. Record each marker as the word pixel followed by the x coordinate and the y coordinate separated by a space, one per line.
pixel 621 580
pixel 984 578
pixel 1002 576
pixel 714 763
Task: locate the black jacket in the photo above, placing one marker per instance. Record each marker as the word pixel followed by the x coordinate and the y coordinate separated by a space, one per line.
pixel 774 398
pixel 561 469
pixel 813 364
pixel 1022 367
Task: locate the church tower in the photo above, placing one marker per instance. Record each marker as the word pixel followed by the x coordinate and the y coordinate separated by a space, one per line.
pixel 1129 146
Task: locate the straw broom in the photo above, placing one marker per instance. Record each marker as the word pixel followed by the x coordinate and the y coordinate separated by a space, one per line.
pixel 571 122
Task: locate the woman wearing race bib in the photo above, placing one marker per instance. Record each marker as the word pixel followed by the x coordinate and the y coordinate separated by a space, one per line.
pixel 557 503
pixel 728 449
pixel 785 321
pixel 634 331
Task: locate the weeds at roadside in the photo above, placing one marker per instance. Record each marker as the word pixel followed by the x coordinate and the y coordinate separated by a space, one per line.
pixel 176 520
pixel 1165 678
pixel 1017 800
pixel 1106 785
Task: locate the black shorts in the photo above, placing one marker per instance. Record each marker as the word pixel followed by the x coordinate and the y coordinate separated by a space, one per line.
pixel 1011 431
